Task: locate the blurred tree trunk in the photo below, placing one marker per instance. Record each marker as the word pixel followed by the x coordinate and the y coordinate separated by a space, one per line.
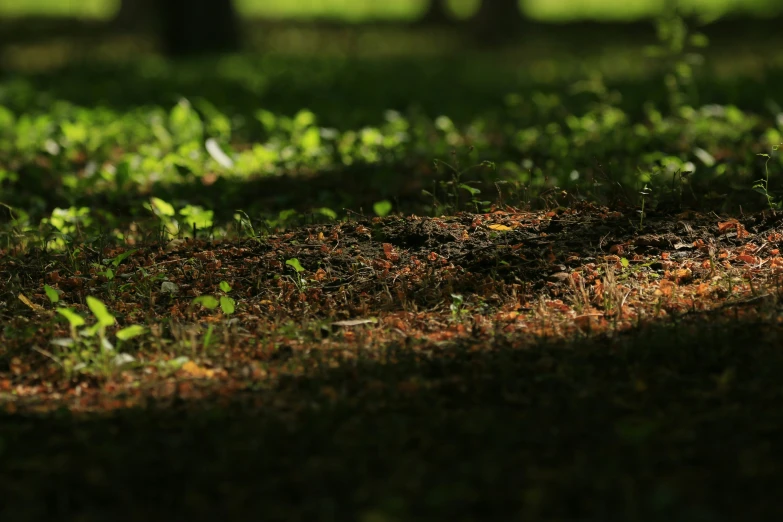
pixel 136 15
pixel 195 27
pixel 436 14
pixel 186 27
pixel 497 21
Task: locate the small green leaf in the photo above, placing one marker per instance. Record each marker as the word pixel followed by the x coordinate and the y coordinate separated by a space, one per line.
pixel 699 40
pixel 473 191
pixel 100 312
pixel 122 257
pixel 328 212
pixel 382 208
pixel 705 157
pixel 74 319
pixel 227 305
pixel 225 287
pixel 162 208
pixel 294 263
pixel 52 294
pixel 130 332
pixel 207 301
pixel 624 261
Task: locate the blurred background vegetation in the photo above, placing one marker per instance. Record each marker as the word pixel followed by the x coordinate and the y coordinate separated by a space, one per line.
pixel 363 10
pixel 358 97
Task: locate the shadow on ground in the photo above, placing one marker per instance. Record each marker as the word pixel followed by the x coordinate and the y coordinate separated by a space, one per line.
pixel 676 422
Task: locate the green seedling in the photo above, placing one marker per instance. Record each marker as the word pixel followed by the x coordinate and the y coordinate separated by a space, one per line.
pixel 244 223
pixel 457 306
pixel 382 208
pixel 165 212
pixel 227 304
pixel 52 294
pixel 210 302
pixel 89 349
pixel 299 281
pixel 454 186
pixel 762 186
pixel 108 273
pixel 115 262
pixel 207 301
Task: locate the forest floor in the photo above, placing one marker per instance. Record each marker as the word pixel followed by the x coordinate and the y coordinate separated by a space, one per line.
pixel 220 298
pixel 512 364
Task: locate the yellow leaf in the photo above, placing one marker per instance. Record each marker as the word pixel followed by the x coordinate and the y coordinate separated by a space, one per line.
pixel 194 370
pixel 25 300
pixel 500 228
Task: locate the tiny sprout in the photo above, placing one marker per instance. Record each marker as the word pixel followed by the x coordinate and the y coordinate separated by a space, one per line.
pixel 382 208
pixel 207 301
pixel 52 294
pixel 294 263
pixel 456 305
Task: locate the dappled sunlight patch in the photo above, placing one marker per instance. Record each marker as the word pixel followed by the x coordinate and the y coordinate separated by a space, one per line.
pixel 246 314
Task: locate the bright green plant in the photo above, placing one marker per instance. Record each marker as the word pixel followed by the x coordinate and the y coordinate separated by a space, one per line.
pixel 244 223
pixel 110 266
pixel 453 186
pixel 196 217
pixel 65 225
pixel 52 294
pixel 382 208
pixel 89 350
pixel 207 301
pixel 165 212
pixel 457 306
pixel 227 304
pixel 299 280
pixel 210 302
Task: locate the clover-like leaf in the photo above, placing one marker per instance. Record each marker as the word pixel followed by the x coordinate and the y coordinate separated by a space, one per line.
pixel 294 263
pixel 207 301
pixel 227 305
pixel 382 208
